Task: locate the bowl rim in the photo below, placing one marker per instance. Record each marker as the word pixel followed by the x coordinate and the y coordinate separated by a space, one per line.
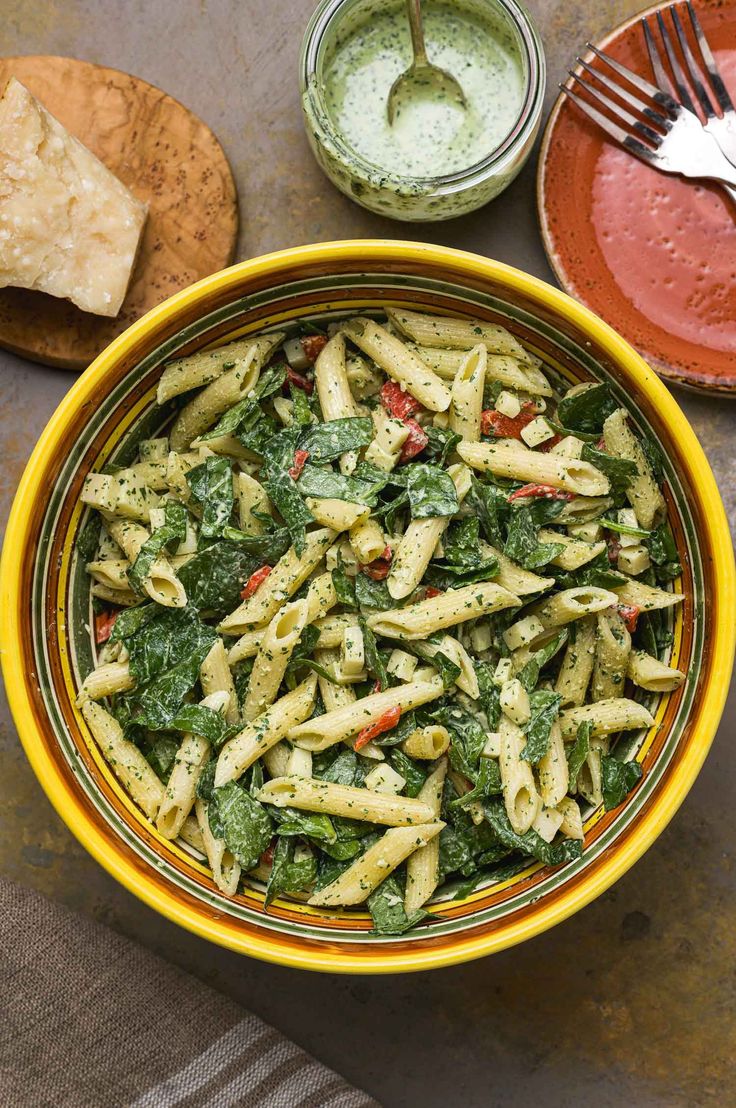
pixel 270 947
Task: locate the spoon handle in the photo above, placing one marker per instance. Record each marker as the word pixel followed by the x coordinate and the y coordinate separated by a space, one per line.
pixel 414 12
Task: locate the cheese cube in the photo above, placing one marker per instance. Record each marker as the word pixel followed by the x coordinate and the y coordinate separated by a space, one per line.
pixel 384 779
pixel 68 226
pixel 537 432
pixel 507 403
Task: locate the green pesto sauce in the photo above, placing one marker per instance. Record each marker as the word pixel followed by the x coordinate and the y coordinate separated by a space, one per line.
pixel 432 136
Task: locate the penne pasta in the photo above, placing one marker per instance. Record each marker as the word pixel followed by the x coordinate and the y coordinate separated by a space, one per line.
pixel 510 459
pixel 311 794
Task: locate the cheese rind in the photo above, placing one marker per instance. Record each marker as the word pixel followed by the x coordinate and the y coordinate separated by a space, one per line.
pixel 68 226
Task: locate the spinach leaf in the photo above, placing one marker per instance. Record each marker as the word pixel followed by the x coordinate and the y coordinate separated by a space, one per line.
pixel 412 773
pixel 448 670
pixel 301 411
pixel 522 544
pixel 200 720
pixel 663 553
pixel 160 752
pixel 342 770
pixel 431 491
pixel 373 594
pixel 624 528
pixel 344 586
pixel 463 563
pixel 490 694
pixel 324 482
pixel 165 656
pixel 617 780
pixel 492 509
pixel 326 442
pixel 529 673
pixel 293 869
pixel 619 471
pixel 374 663
pixel 545 708
pixel 551 854
pixel 462 844
pixel 278 455
pixel 173 636
pixel 488 784
pixel 267 548
pixel 131 620
pixel 168 536
pixel 211 485
pixel 311 825
pixel 386 906
pixel 468 738
pixel 243 822
pixel 442 442
pixel 215 576
pixel 577 754
pixel 586 410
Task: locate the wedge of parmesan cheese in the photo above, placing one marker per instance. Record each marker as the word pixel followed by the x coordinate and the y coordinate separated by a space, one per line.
pixel 68 226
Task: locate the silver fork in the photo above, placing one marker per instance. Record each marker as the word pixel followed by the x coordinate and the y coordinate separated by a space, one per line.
pixel 722 127
pixel 672 139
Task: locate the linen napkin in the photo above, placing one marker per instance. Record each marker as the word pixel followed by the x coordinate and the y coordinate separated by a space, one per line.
pixel 88 1019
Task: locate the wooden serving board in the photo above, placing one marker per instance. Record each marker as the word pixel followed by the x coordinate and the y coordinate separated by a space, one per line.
pixel 167 157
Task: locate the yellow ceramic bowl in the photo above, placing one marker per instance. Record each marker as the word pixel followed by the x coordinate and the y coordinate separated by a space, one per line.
pixel 44 597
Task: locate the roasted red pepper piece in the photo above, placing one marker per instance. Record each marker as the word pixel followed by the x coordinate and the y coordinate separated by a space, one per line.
pixel 300 460
pixel 507 427
pixel 255 581
pixel 614 547
pixel 384 723
pixel 313 345
pixel 104 623
pixel 398 403
pixel 543 492
pixel 415 442
pixel 629 614
pixel 431 592
pixel 298 381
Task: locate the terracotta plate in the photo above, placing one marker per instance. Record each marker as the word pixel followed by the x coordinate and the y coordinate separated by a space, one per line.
pixel 653 255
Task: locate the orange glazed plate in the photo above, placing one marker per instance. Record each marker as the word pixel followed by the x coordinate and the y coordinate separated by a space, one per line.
pixel 652 254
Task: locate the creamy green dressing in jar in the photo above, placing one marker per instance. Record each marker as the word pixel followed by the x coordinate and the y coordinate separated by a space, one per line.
pixel 438 159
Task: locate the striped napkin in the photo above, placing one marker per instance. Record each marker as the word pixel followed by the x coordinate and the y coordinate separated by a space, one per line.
pixel 91 1020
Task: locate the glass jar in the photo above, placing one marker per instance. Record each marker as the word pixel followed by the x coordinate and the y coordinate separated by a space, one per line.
pixel 392 194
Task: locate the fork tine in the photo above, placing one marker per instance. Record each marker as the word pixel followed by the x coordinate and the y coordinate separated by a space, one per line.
pixel 622 137
pixel 617 111
pixel 679 77
pixel 696 76
pixel 660 76
pixel 659 118
pixel 658 95
pixel 656 117
pixel 709 62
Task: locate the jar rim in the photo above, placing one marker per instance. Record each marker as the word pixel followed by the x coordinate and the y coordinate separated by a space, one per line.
pixel 534 70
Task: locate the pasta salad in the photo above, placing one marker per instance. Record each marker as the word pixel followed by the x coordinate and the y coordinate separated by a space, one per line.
pixel 373 607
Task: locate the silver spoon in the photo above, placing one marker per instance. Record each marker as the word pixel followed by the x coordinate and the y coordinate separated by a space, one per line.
pixel 422 77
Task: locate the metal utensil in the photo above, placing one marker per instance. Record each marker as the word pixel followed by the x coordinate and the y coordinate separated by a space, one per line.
pixel 672 139
pixel 705 78
pixel 422 78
